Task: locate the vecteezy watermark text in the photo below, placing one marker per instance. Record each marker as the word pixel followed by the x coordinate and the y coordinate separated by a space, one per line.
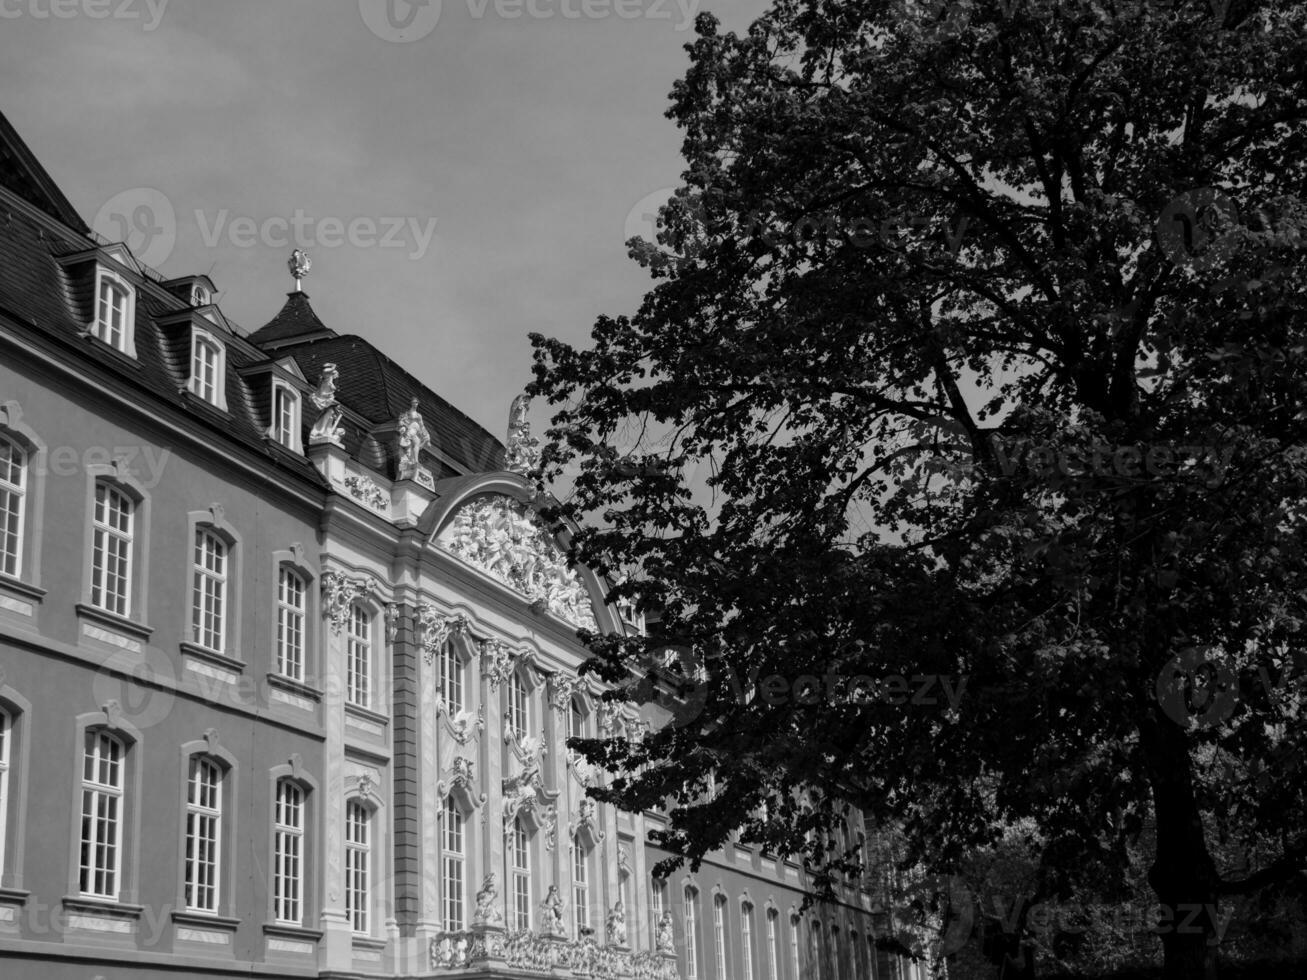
pixel 922 690
pixel 302 230
pixel 150 12
pixel 1161 461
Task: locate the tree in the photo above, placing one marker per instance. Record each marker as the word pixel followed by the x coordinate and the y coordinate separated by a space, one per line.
pixel 988 318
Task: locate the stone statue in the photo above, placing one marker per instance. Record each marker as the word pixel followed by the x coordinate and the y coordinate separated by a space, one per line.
pixel 523 453
pixel 413 438
pixel 327 429
pixel 664 941
pixel 552 907
pixel 487 912
pixel 617 925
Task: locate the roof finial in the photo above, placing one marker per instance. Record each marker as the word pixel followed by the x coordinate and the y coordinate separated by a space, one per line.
pixel 299 266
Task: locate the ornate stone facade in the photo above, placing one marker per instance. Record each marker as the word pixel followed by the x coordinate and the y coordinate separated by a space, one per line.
pixel 503 538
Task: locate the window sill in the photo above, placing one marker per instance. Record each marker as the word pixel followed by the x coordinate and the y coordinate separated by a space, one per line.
pixel 121 356
pixel 122 624
pixel 294 687
pixel 94 905
pixel 213 920
pixel 366 714
pixel 21 588
pixel 285 930
pixel 213 657
pixel 14 896
pixel 368 943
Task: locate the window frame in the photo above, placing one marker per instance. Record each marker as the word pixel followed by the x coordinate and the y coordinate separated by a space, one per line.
pixel 6 767
pixel 91 792
pixel 452 666
pixel 26 440
pixel 286 433
pixel 106 277
pixel 211 392
pixel 359 669
pixel 125 539
pixel 210 589
pixel 15 495
pixel 453 817
pixel 283 831
pixel 518 856
pixel 581 883
pixel 197 812
pixel 722 962
pixel 746 939
pixel 359 896
pixel 690 912
pixel 287 611
pixel 517 704
pixel 214 521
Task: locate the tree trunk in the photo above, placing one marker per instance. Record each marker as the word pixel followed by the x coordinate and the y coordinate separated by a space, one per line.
pixel 1183 874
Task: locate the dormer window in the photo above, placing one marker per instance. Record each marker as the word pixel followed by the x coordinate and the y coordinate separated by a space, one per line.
pixel 285 427
pixel 200 295
pixel 208 359
pixel 115 303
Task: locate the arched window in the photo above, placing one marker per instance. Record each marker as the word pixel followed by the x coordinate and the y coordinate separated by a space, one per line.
pixel 517 714
pixel 358 665
pixel 112 308
pixel 453 858
pixel 112 549
pixel 203 835
pixel 288 854
pixel 13 492
pixel 691 932
pixel 519 865
pixel 773 945
pixel 103 778
pixel 292 604
pixel 719 934
pixel 746 939
pixel 358 859
pixel 6 749
pixel 209 590
pixel 451 678
pixel 794 946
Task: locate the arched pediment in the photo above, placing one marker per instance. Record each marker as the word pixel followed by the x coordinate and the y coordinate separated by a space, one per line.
pixel 505 539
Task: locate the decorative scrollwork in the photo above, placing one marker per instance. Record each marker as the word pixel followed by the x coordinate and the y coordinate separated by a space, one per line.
pixel 339 592
pixel 435 629
pixel 365 489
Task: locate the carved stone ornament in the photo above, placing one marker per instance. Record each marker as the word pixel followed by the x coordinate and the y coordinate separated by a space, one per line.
pixel 413 438
pixel 502 538
pixel 487 910
pixel 365 489
pixel 545 953
pixel 552 909
pixel 498 661
pixel 392 621
pixel 523 449
pixel 339 592
pixel 562 688
pixel 436 628
pixel 665 942
pixel 616 925
pixel 463 725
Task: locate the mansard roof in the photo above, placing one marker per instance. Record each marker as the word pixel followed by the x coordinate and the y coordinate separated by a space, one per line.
pixel 45 250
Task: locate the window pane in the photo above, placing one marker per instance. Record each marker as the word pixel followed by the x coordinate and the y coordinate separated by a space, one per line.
pixel 13 485
pixel 290 624
pixel 111 550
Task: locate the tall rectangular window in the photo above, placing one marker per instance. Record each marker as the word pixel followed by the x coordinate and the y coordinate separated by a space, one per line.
pixel 205 374
pixel 451 678
pixel 358 850
pixel 111 555
pixel 580 886
pixel 102 817
pixel 517 719
pixel 657 902
pixel 13 491
pixel 719 934
pixel 6 737
pixel 203 834
pixel 773 954
pixel 794 945
pixel 691 934
pixel 746 939
pixel 291 614
pixel 359 656
pixel 111 313
pixel 209 590
pixel 519 858
pixel 288 853
pixel 451 873
pixel 284 409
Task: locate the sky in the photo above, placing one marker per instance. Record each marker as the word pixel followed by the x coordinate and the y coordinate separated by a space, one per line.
pixel 461 172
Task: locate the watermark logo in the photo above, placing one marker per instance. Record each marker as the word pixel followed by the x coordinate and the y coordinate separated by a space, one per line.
pixel 674 692
pixel 1197 689
pixel 1195 228
pixel 143 219
pixel 141 684
pixel 148 13
pixel 947 899
pixel 400 21
pixel 304 231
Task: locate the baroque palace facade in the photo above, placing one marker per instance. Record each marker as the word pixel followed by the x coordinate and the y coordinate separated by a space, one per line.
pixel 287 663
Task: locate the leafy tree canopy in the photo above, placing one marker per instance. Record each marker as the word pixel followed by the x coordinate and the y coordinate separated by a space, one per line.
pixel 987 319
